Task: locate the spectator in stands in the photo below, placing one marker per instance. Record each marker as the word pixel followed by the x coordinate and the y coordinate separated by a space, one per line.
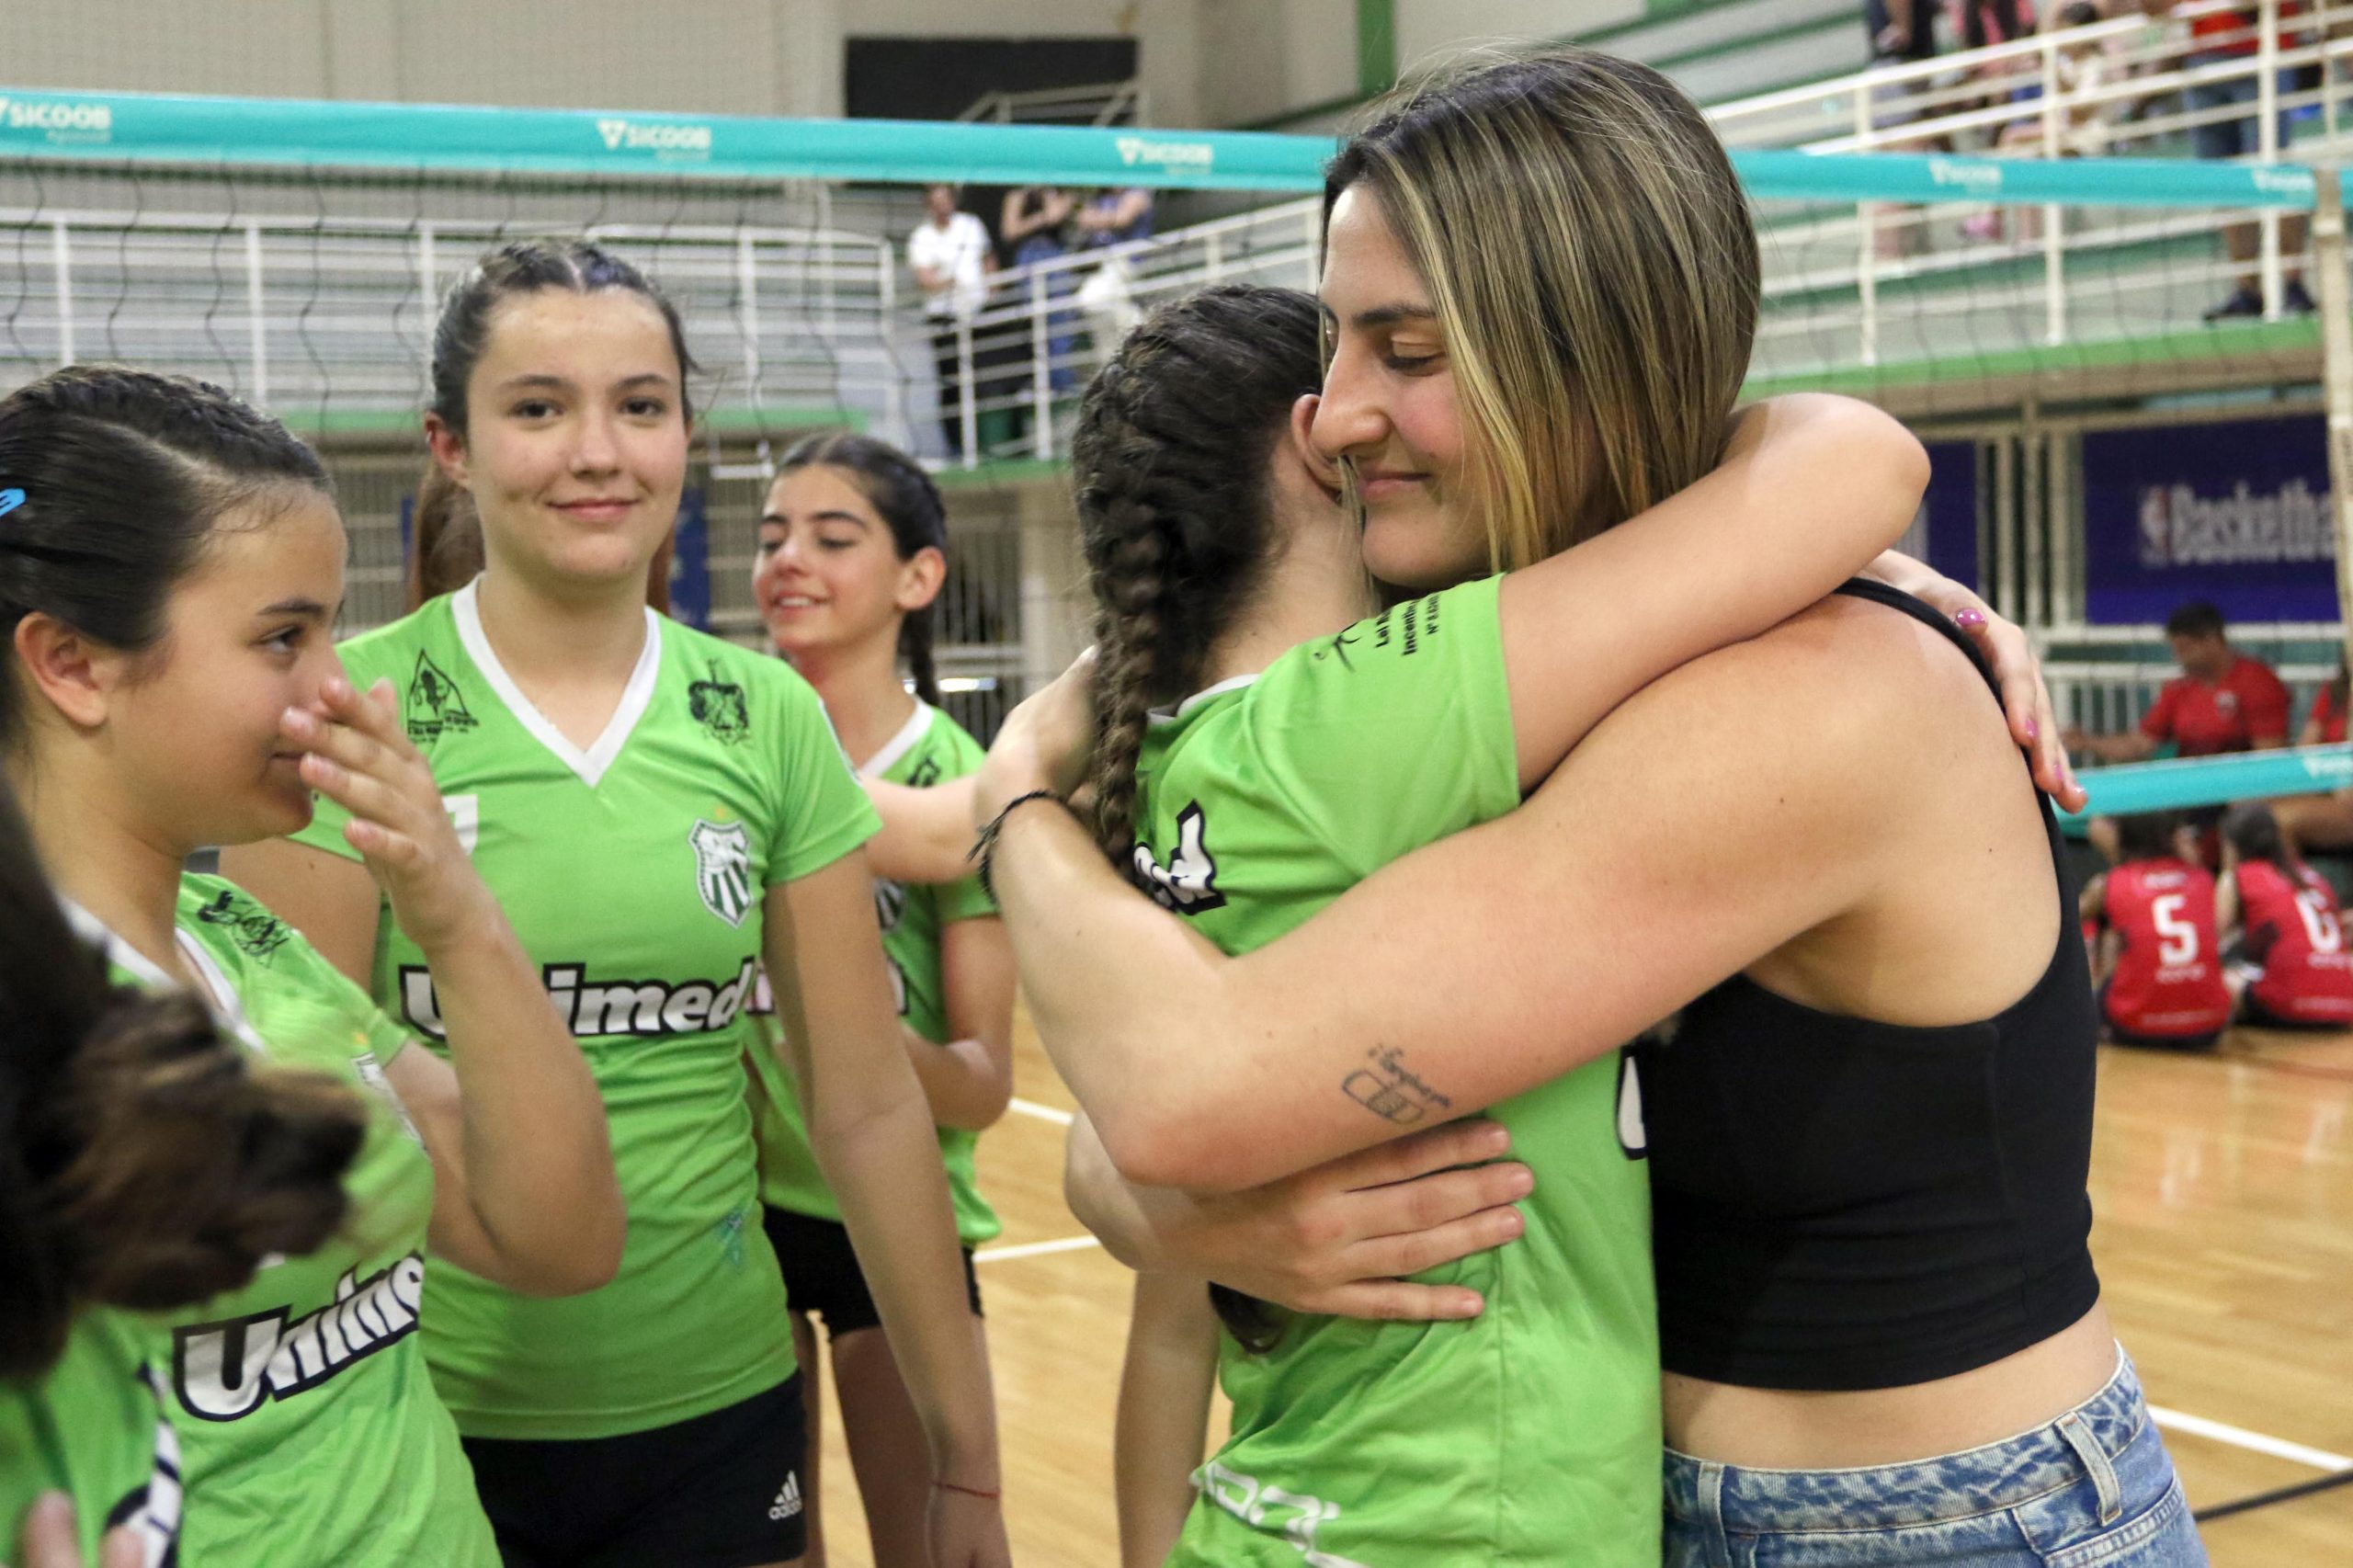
pixel 1115 217
pixel 2223 701
pixel 2325 724
pixel 2158 967
pixel 1901 32
pixel 1032 226
pixel 2223 36
pixel 948 254
pixel 2289 969
pixel 1110 218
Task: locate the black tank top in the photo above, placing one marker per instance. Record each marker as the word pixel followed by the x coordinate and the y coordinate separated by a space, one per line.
pixel 1839 1203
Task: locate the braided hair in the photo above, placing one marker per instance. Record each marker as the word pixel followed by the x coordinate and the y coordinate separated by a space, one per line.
pixel 1169 463
pixel 905 497
pixel 143 1165
pixel 110 479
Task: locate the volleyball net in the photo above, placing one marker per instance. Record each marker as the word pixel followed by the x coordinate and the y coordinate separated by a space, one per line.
pixel 298 251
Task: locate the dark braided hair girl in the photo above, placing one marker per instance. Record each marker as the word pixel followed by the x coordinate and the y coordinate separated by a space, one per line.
pixel 851 558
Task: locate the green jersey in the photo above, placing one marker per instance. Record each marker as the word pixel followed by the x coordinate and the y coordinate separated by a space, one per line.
pixel 93 1427
pixel 309 1431
pixel 928 749
pixel 1529 1435
pixel 633 872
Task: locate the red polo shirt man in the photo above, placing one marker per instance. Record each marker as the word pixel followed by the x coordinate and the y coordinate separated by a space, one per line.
pixel 2223 701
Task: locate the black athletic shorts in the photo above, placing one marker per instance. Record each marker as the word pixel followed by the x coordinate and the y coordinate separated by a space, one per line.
pixel 821 1275
pixel 717 1490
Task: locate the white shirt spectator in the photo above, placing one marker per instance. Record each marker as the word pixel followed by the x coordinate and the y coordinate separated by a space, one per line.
pixel 957 252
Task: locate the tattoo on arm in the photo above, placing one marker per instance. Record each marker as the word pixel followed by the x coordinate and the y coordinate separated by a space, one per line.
pixel 1387 1087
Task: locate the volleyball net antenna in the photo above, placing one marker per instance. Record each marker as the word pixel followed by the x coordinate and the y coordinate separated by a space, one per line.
pixel 297 251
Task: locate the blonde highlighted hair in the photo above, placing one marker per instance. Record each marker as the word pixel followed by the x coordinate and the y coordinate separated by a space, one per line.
pixel 1592 261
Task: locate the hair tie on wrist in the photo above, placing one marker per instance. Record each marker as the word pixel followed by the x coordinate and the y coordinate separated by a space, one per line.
pixel 971 1491
pixel 984 848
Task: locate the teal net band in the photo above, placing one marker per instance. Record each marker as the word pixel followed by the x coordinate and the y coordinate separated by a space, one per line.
pixel 2186 783
pixel 292 132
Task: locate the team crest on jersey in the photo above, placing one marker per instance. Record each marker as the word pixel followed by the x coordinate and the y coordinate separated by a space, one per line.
pixel 435 706
pixel 1188 884
pixel 890 903
pixel 719 707
pixel 924 773
pixel 257 932
pixel 723 869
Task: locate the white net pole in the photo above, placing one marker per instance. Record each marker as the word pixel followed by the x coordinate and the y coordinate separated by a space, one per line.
pixel 2337 373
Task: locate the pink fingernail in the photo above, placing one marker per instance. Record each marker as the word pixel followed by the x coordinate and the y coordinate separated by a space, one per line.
pixel 1969 618
pixel 2033 730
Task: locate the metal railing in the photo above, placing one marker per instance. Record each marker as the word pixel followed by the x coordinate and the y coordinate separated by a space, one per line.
pixel 1100 104
pixel 1863 285
pixel 2139 87
pixel 1046 327
pixel 328 320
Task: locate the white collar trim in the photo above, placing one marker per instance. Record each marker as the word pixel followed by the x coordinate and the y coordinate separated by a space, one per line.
pixel 918 725
pixel 1170 716
pixel 218 995
pixel 465 607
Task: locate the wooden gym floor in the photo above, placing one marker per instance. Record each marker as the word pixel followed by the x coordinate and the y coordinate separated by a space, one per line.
pixel 2223 1191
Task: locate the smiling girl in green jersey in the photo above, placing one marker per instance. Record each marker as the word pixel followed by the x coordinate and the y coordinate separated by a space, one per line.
pixel 663 814
pixel 850 559
pixel 145 1164
pixel 169 579
pixel 1817 849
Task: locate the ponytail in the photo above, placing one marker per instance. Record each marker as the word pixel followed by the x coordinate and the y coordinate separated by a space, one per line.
pixel 1171 484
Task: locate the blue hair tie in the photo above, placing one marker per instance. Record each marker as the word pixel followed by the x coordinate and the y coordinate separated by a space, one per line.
pixel 11 500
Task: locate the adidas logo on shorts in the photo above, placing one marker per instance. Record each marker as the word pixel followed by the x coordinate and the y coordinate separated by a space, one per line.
pixel 788 1499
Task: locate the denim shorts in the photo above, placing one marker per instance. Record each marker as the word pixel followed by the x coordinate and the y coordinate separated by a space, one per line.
pixel 2095 1487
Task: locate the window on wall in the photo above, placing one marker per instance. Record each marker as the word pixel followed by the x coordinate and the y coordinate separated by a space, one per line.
pixel 939 78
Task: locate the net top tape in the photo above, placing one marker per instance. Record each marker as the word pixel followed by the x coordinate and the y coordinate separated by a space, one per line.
pixel 2184 783
pixel 311 134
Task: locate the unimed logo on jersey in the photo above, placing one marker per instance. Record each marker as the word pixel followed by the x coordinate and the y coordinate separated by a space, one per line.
pixel 646 1008
pixel 224 1371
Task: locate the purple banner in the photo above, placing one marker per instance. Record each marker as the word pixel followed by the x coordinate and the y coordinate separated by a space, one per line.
pixel 2236 514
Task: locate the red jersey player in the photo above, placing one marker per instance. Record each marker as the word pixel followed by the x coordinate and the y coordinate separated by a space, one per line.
pixel 2290 936
pixel 2223 701
pixel 2160 969
pixel 2326 725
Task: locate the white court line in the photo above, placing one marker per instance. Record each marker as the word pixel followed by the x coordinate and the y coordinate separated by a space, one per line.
pixel 2254 1442
pixel 1036 1249
pixel 1042 1112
